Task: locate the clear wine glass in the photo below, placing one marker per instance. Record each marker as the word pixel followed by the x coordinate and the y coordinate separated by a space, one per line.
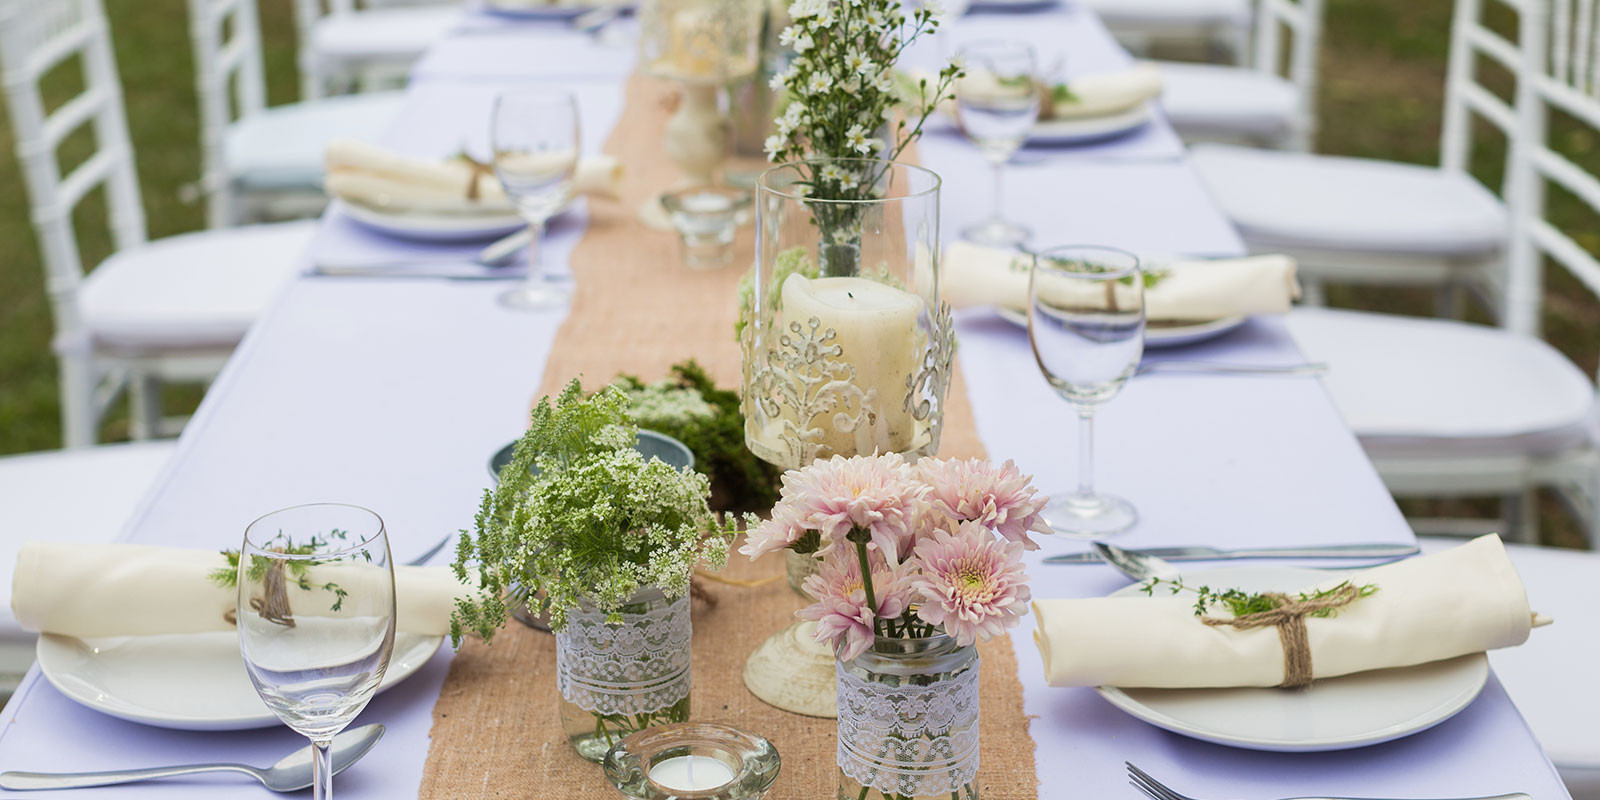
pixel 316 618
pixel 998 101
pixel 534 135
pixel 1086 324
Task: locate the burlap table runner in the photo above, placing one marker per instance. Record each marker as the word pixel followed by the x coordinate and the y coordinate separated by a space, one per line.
pixel 637 310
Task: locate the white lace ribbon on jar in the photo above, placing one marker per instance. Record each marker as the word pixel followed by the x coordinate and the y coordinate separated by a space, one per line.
pixel 909 740
pixel 636 667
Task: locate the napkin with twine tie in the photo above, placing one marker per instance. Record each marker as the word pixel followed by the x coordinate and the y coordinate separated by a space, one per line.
pixel 376 178
pixel 89 590
pixel 1101 95
pixel 1176 291
pixel 1465 600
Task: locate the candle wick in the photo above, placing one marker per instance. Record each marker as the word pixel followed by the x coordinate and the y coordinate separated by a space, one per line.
pixel 850 295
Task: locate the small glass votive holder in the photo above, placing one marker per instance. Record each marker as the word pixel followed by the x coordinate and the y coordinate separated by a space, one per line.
pixel 692 761
pixel 706 218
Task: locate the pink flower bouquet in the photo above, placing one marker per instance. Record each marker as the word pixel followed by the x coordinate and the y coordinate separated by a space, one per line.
pixel 907 551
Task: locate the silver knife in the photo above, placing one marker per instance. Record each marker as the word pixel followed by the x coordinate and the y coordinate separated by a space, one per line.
pixel 1205 553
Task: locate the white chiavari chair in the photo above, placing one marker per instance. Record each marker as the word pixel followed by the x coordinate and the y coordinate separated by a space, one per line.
pixel 1451 409
pixel 260 162
pixel 344 47
pixel 1365 221
pixel 1222 26
pixel 164 310
pixel 1255 104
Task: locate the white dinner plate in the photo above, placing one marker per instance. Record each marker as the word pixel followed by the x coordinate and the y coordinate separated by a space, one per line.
pixel 192 681
pixel 436 227
pixel 1157 335
pixel 551 11
pixel 1332 714
pixel 1012 5
pixel 1086 130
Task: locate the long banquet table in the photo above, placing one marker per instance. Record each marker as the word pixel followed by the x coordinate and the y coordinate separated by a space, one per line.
pixel 392 393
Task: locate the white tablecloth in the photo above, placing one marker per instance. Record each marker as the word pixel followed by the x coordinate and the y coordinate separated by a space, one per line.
pixel 394 393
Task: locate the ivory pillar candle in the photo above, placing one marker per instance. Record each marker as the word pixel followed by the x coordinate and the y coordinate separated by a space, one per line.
pixel 875 327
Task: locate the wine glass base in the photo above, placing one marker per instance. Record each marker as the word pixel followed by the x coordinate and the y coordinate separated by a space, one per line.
pixel 535 297
pixel 1089 517
pixel 997 233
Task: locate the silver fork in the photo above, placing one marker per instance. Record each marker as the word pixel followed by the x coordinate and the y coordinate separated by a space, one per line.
pixel 1156 790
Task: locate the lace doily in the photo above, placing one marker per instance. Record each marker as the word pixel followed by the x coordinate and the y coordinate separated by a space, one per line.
pixel 909 740
pixel 636 667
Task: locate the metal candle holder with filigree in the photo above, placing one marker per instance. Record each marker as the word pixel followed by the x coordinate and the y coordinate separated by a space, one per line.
pixel 704 45
pixel 847 345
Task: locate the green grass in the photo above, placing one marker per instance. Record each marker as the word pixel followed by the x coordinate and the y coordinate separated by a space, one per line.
pixel 1382 87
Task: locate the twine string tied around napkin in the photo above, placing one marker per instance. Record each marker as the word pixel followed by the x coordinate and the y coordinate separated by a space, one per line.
pixel 476 171
pixel 1290 619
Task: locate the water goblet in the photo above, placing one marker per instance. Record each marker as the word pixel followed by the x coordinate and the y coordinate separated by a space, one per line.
pixel 316 616
pixel 534 134
pixel 1086 325
pixel 998 103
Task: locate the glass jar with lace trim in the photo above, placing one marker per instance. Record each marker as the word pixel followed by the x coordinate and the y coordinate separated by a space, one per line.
pixel 908 721
pixel 618 678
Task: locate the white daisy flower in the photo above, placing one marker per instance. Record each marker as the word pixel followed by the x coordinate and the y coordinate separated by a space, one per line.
pixel 774 144
pixel 820 82
pixel 856 139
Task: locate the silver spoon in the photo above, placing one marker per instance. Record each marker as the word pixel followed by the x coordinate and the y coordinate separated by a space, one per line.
pixel 291 774
pixel 1138 566
pixel 499 253
pixel 1217 368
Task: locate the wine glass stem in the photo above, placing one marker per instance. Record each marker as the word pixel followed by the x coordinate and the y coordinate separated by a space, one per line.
pixel 535 277
pixel 1086 451
pixel 999 165
pixel 321 769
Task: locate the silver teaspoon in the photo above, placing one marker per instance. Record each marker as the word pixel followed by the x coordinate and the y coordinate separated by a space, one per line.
pixel 291 774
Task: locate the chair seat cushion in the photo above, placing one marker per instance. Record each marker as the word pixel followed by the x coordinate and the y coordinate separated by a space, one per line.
pixel 43 496
pixel 1166 14
pixel 1549 676
pixel 386 34
pixel 281 148
pixel 1430 387
pixel 1214 99
pixel 193 291
pixel 1297 200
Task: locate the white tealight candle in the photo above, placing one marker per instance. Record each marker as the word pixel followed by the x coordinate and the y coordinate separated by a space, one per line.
pixel 875 325
pixel 691 773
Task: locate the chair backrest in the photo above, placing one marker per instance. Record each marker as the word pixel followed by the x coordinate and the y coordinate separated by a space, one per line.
pixel 1297 24
pixel 231 86
pixel 1466 93
pixel 36 38
pixel 1563 76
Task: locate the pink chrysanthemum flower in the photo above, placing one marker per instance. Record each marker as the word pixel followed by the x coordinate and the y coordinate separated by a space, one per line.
pixel 998 497
pixel 971 583
pixel 843 619
pixel 877 494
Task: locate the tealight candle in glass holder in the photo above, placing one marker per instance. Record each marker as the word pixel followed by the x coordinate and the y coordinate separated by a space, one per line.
pixel 692 761
pixel 706 218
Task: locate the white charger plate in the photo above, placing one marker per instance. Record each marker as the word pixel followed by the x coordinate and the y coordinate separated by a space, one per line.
pixel 193 681
pixel 1086 130
pixel 441 228
pixel 1156 336
pixel 1332 714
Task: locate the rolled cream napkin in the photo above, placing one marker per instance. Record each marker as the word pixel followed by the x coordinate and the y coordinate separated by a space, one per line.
pixel 371 176
pixel 1465 600
pixel 88 590
pixel 1102 95
pixel 1192 291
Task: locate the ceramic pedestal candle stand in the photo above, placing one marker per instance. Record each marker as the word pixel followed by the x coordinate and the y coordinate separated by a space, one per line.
pixel 847 349
pixel 703 45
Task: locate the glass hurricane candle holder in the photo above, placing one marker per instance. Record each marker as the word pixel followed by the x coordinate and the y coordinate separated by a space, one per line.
pixel 693 761
pixel 847 346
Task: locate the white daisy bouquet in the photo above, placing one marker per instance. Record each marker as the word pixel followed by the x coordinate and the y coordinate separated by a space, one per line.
pixel 907 551
pixel 842 90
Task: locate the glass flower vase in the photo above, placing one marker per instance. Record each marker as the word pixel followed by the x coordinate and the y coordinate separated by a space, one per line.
pixel 616 678
pixel 908 721
pixel 847 345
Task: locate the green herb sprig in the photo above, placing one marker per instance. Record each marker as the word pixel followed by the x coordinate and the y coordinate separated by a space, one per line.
pixel 228 577
pixel 1241 603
